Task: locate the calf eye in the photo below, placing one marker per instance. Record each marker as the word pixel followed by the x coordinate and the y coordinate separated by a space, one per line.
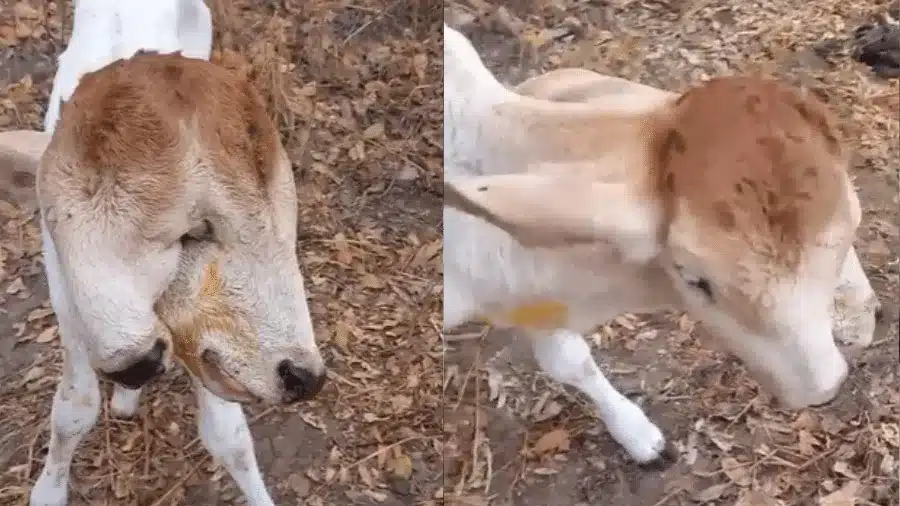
pixel 703 286
pixel 699 284
pixel 201 232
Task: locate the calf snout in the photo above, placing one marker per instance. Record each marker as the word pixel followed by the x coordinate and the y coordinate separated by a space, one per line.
pixel 139 373
pixel 830 390
pixel 300 382
pixel 822 387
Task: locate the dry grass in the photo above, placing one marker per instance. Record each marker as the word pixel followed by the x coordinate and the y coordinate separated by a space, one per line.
pixel 354 88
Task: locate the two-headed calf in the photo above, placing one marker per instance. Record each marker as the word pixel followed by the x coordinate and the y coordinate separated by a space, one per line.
pixel 602 196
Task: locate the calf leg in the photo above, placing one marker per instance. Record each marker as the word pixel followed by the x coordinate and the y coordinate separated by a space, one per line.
pixel 223 430
pixel 76 406
pixel 459 305
pixel 124 402
pixel 566 357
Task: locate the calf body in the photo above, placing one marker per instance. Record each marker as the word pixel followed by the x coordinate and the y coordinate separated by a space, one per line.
pixel 169 230
pixel 606 196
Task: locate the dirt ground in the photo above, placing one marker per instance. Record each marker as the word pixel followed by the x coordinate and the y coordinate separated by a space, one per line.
pixel 537 444
pixel 355 88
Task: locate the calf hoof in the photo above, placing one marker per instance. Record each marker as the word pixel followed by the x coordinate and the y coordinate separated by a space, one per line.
pixel 145 369
pixel 640 437
pixel 124 402
pixel 45 493
pixel 663 460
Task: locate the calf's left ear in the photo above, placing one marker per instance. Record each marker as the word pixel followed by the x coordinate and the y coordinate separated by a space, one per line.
pixel 20 154
pixel 22 149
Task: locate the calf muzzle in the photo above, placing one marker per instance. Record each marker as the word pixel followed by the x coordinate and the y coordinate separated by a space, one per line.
pixel 300 383
pixel 143 370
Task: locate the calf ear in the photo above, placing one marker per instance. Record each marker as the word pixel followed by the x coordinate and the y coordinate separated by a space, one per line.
pixel 22 149
pixel 546 211
pixel 20 154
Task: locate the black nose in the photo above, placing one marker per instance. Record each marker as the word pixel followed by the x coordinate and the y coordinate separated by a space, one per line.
pixel 299 383
pixel 141 372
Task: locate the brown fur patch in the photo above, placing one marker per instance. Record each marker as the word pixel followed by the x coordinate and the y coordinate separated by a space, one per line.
pixel 209 311
pixel 753 157
pixel 187 335
pixel 125 133
pixel 212 280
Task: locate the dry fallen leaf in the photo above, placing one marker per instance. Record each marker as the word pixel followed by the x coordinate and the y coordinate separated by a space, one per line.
pixel 401 466
pixel 374 131
pixel 844 496
pixel 46 335
pixel 420 64
pixel 15 287
pixel 121 487
pixel 299 484
pixel 757 498
pixel 33 374
pixel 807 443
pixel 712 493
pixel 39 313
pixel 736 471
pixel 557 440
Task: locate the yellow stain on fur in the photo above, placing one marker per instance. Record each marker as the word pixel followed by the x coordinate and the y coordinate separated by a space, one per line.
pixel 208 311
pixel 212 280
pixel 539 315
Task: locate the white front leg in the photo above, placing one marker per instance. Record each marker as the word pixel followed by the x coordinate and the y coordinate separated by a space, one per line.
pixel 76 406
pixel 566 357
pixel 223 430
pixel 855 304
pixel 76 403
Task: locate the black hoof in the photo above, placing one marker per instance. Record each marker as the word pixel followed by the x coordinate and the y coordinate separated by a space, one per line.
pixel 666 459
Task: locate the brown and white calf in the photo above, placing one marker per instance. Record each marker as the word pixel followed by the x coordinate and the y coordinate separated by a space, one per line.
pixel 576 197
pixel 169 225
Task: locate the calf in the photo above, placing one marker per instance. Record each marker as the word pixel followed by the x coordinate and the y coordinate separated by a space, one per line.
pixel 577 197
pixel 168 215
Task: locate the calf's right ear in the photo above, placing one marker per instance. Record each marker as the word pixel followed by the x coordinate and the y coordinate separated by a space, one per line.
pixel 541 210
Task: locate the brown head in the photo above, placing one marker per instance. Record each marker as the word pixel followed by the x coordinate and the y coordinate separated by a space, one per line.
pixel 166 179
pixel 761 216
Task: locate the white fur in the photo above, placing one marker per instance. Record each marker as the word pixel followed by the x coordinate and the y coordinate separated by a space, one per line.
pixel 566 357
pixel 109 30
pixel 489 129
pixel 223 429
pixel 105 31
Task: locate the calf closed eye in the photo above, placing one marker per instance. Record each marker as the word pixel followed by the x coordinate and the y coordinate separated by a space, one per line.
pixel 697 283
pixel 701 285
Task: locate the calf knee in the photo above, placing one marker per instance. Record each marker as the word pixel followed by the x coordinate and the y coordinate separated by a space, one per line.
pixel 565 356
pixel 76 408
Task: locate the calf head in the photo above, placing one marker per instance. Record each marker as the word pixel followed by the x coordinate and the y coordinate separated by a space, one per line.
pixel 761 219
pixel 245 334
pixel 745 204
pixel 170 203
